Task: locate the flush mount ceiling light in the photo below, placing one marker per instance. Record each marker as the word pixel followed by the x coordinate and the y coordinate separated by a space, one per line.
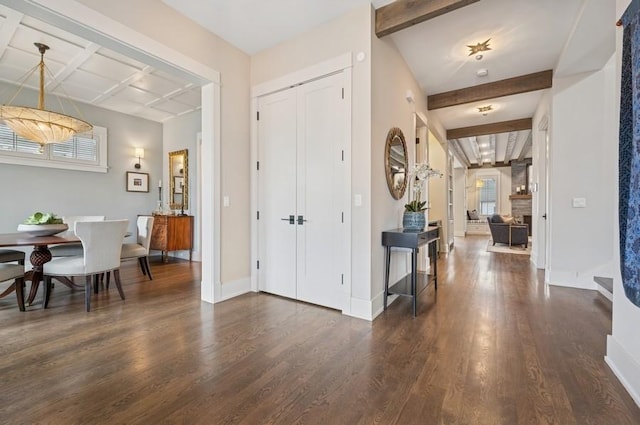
pixel 476 49
pixel 38 124
pixel 484 110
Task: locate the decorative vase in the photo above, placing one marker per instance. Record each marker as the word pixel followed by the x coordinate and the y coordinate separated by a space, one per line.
pixel 413 220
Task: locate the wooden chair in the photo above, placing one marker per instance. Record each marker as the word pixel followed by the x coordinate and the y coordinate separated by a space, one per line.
pixel 101 245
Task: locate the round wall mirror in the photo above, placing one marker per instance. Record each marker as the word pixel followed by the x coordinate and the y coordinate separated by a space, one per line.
pixel 395 162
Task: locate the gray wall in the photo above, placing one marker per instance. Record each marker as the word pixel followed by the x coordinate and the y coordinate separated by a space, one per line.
pixel 27 189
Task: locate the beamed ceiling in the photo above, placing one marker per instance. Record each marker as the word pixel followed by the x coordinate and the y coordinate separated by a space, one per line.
pixel 526 38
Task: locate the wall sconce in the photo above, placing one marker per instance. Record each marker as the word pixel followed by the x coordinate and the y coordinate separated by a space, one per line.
pixel 139 153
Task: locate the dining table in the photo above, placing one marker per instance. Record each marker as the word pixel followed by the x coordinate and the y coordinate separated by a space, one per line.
pixel 39 257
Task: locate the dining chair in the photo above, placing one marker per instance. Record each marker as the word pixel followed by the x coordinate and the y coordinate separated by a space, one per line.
pixel 71 249
pixel 101 247
pixel 14 272
pixel 140 249
pixel 11 255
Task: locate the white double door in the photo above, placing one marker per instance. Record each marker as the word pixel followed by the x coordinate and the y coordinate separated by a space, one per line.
pixel 301 192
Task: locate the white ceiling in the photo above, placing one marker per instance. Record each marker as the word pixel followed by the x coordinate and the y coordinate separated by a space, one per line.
pixel 526 36
pixel 255 25
pixel 87 72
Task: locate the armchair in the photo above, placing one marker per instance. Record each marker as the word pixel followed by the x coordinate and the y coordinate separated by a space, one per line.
pixel 510 234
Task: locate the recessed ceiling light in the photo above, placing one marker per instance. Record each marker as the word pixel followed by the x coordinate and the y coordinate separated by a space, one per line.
pixel 479 47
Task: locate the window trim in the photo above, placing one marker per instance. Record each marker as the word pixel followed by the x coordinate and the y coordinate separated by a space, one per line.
pixel 45 161
pixel 488 175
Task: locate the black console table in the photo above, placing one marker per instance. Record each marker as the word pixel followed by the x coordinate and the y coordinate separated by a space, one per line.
pixel 412 284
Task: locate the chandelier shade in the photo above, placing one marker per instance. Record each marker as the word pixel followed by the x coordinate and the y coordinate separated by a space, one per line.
pixel 37 124
pixel 42 126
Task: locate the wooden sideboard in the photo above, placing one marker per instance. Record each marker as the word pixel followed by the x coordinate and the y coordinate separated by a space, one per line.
pixel 172 233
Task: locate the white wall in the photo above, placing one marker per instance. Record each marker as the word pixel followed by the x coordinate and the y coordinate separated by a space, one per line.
pixel 158 21
pixel 623 345
pixel 580 167
pixel 181 133
pixel 66 192
pixel 391 78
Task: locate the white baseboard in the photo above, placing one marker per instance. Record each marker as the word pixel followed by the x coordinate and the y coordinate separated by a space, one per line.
pixel 360 309
pixel 623 365
pixel 234 288
pixel 570 280
pixel 459 233
pixel 369 310
pixel 608 295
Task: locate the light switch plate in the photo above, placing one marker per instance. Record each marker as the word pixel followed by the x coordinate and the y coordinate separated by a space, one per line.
pixel 357 200
pixel 579 202
pixel 225 201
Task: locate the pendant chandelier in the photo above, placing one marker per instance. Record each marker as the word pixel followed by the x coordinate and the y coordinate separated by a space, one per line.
pixel 38 124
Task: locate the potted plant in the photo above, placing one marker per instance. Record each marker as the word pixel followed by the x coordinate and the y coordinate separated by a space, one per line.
pixel 413 217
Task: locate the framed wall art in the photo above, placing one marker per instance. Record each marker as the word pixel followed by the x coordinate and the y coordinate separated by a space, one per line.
pixel 137 182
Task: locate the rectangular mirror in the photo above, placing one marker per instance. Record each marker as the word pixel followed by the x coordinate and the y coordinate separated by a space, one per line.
pixel 179 180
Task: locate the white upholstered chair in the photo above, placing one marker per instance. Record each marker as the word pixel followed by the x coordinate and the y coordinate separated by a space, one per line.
pixel 68 250
pixel 14 272
pixel 101 244
pixel 140 250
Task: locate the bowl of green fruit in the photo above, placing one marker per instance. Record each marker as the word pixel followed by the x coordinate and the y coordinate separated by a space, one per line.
pixel 42 224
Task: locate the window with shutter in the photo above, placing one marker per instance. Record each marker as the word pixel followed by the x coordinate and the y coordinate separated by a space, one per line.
pixel 84 152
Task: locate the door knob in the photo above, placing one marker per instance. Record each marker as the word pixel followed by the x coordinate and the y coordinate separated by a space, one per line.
pixel 544 216
pixel 291 219
pixel 301 220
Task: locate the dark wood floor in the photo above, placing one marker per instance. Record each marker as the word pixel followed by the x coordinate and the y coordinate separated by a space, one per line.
pixel 495 346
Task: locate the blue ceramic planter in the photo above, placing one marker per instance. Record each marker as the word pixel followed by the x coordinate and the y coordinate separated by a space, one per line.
pixel 413 220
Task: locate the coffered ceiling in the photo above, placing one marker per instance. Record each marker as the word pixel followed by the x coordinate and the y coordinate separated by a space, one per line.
pixel 87 72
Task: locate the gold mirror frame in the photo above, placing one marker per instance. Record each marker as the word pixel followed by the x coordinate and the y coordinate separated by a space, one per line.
pixel 396 162
pixel 179 173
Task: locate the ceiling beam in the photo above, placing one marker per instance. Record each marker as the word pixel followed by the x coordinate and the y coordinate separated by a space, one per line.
pixel 511 144
pixel 475 149
pixel 402 14
pixel 492 148
pixel 72 66
pixel 459 152
pixel 497 164
pixel 493 128
pixel 522 84
pixel 525 147
pixel 9 28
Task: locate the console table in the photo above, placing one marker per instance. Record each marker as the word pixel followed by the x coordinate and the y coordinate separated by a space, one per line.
pixel 412 284
pixel 172 233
